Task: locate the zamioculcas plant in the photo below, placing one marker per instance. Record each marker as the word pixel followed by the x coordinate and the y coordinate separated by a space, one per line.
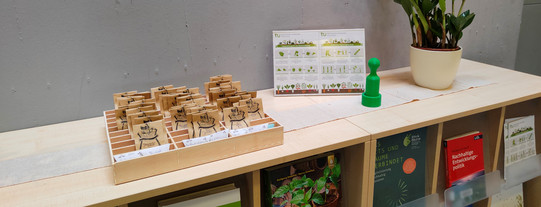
pixel 435 54
pixel 432 27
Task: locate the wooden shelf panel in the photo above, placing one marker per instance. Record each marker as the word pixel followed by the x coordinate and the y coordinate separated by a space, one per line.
pixel 99 183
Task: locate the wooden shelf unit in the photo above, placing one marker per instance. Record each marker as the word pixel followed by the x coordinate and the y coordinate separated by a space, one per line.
pixel 482 108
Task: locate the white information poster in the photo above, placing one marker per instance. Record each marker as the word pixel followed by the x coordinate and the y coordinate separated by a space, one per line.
pixel 319 62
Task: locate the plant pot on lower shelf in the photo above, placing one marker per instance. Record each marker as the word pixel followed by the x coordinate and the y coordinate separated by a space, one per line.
pixel 434 68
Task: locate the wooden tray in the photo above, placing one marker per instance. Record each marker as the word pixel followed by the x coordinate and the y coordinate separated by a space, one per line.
pixel 180 157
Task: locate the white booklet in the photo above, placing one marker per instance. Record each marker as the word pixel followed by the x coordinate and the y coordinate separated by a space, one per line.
pixel 512 197
pixel 519 139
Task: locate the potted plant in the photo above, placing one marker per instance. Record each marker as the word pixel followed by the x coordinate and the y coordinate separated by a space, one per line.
pixel 305 192
pixel 434 53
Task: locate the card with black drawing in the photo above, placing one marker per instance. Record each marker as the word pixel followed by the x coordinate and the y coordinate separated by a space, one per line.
pixel 255 108
pixel 236 117
pixel 178 118
pixel 206 123
pixel 149 134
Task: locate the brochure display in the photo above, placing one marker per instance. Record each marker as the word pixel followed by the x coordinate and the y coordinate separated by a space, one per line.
pixel 319 62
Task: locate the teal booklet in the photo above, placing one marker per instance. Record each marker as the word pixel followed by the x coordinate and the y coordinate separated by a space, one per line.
pixel 400 168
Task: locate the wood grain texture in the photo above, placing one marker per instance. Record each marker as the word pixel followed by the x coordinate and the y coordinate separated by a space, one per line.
pixel 96 187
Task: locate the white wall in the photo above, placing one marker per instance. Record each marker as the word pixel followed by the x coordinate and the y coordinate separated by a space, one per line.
pixel 62 60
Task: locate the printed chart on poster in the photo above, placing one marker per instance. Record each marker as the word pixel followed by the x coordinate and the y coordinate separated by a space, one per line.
pixel 319 62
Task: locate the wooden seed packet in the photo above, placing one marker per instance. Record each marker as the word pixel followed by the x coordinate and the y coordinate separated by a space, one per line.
pixel 150 134
pixel 209 85
pixel 125 101
pixel 153 105
pixel 226 87
pixel 206 123
pixel 210 107
pixel 193 90
pixel 157 94
pixel 227 102
pixel 149 100
pixel 236 85
pixel 121 120
pixel 220 94
pixel 122 94
pixel 226 77
pixel 160 88
pixel 139 109
pixel 246 96
pixel 255 108
pixel 178 117
pixel 133 115
pixel 236 117
pixel 194 110
pixel 145 119
pixel 145 95
pixel 167 101
pixel 253 94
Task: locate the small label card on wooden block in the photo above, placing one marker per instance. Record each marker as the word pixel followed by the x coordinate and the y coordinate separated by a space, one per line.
pixel 319 62
pixel 142 153
pixel 150 134
pixel 209 138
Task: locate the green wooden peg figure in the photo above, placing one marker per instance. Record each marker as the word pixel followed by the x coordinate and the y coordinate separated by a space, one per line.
pixel 371 97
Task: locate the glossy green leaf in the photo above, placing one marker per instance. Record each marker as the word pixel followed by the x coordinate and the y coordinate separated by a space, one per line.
pixel 318 199
pixel 308 195
pixel 280 191
pixel 309 182
pixel 296 184
pixel 406 5
pixel 442 5
pixel 297 199
pixel 320 183
pixel 298 192
pixel 326 171
pixel 420 15
pixel 337 170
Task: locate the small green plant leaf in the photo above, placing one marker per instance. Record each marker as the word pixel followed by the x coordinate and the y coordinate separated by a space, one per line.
pixel 297 199
pixel 309 182
pixel 320 183
pixel 318 199
pixel 284 203
pixel 296 184
pixel 280 191
pixel 308 195
pixel 326 171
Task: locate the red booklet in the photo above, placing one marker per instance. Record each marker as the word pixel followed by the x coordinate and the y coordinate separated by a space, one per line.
pixel 464 157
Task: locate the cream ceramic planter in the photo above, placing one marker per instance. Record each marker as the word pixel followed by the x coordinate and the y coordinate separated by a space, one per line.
pixel 434 69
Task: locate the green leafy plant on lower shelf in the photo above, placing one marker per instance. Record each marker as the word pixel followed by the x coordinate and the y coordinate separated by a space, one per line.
pixel 305 192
